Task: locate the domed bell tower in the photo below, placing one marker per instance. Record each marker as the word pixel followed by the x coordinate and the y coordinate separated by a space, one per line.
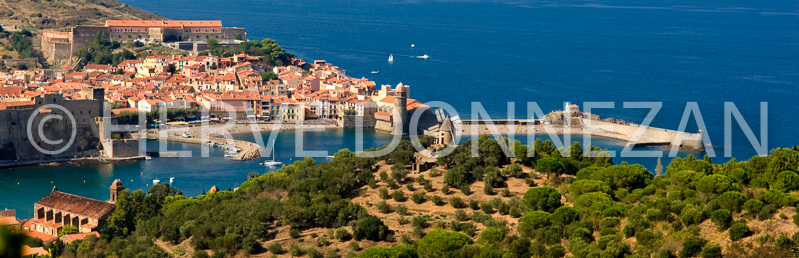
pixel 116 188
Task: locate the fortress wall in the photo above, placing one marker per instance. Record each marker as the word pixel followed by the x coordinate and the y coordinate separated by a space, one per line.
pixel 650 135
pixel 83 36
pixel 230 33
pixel 14 136
pixel 350 122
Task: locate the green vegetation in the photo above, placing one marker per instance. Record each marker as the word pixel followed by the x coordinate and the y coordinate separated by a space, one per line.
pixel 101 51
pixel 271 53
pixel 609 210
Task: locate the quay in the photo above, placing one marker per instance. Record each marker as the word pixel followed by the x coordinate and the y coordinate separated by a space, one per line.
pixel 579 123
pixel 248 151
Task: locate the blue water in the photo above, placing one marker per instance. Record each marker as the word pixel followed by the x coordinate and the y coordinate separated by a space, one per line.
pixel 550 52
pixel 21 187
pixel 493 52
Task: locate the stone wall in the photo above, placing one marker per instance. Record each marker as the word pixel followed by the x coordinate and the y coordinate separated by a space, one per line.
pixel 650 135
pixel 351 122
pixel 30 63
pixel 14 136
pixel 83 36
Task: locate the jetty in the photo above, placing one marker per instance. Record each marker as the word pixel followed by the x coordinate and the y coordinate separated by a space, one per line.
pixel 579 123
pixel 248 151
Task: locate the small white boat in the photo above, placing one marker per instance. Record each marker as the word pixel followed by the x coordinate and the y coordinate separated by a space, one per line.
pixel 186 135
pixel 148 157
pixel 156 181
pixel 171 180
pixel 412 45
pixel 375 71
pixel 391 58
pixel 273 163
pixel 425 56
pixel 231 153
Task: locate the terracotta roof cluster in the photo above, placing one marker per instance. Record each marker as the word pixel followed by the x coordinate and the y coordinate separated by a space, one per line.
pixel 76 204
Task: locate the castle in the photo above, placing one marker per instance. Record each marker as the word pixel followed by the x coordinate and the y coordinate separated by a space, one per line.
pixel 60 46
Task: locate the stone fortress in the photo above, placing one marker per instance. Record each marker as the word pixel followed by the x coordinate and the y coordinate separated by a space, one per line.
pixel 15 144
pixel 59 47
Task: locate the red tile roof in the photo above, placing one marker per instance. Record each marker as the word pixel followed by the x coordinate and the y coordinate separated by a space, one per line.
pixel 164 23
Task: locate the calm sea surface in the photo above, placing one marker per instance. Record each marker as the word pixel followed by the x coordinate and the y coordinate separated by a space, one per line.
pixel 493 52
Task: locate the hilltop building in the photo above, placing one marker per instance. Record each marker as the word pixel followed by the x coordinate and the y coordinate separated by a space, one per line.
pixel 59 209
pixel 60 46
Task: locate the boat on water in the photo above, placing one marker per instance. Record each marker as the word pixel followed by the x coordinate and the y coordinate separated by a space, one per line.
pixel 412 45
pixel 148 157
pixel 156 181
pixel 171 180
pixel 273 163
pixel 231 153
pixel 425 56
pixel 375 71
pixel 186 135
pixel 391 58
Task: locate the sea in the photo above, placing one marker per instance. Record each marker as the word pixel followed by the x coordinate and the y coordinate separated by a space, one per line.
pixel 715 58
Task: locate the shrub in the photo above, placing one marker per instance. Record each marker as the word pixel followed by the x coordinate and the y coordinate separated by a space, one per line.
pixel 711 251
pixel 460 215
pixel 428 186
pixel 383 207
pixel 276 248
pixel 392 183
pixel 465 189
pixel 505 192
pixel 420 179
pixel 514 170
pixel 398 195
pixel 486 207
pixel 437 200
pixel 488 190
pixel 295 250
pixel 456 202
pixel 294 233
pixel 371 228
pixel 384 193
pixel 753 206
pixel 445 189
pixel 418 197
pixel 692 246
pixel 342 234
pixel 784 242
pixel 721 218
pixel 409 186
pixel 313 253
pixel 474 204
pixel 401 209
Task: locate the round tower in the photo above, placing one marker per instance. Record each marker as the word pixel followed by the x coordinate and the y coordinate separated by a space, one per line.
pixel 445 132
pixel 116 187
pixel 400 110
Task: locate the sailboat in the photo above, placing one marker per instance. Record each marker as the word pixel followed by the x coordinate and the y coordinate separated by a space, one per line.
pixel 273 163
pixel 391 58
pixel 425 56
pixel 412 45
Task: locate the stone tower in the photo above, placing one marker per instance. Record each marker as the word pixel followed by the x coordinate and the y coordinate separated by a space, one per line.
pixel 445 134
pixel 400 110
pixel 116 187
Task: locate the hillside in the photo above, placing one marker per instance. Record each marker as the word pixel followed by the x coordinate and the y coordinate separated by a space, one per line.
pixel 485 206
pixel 62 14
